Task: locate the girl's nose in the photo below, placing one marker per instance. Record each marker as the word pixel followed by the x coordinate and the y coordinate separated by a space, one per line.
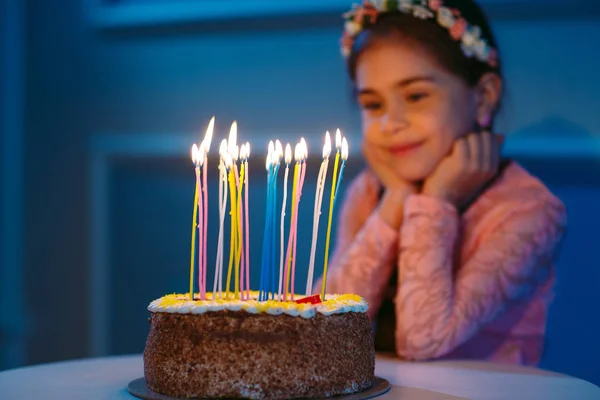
pixel 394 122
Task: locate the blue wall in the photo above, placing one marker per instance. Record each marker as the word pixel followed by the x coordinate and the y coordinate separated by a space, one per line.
pixel 93 92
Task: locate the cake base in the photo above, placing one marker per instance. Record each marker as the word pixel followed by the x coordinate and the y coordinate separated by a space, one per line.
pixel 139 389
pixel 260 350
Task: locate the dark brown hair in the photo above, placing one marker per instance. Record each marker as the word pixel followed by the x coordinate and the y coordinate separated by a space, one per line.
pixel 432 37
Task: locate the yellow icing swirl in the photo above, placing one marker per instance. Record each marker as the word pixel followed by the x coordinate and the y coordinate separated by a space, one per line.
pixel 333 304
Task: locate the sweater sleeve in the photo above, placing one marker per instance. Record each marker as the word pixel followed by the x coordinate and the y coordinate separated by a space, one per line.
pixel 438 309
pixel 366 246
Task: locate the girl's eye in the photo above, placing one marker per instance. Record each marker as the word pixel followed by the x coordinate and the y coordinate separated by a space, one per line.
pixel 372 106
pixel 416 97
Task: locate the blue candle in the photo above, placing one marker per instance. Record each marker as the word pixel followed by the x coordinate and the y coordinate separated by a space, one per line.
pixel 273 234
pixel 265 279
pixel 266 240
pixel 344 158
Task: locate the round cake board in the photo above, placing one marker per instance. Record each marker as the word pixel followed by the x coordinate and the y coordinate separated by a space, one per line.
pixel 139 389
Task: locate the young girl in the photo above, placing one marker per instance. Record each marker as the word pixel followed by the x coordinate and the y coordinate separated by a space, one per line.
pixel 451 245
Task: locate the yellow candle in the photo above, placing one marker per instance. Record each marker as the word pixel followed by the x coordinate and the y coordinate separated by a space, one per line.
pixel 331 199
pixel 194 217
pixel 238 253
pixel 293 210
pixel 233 236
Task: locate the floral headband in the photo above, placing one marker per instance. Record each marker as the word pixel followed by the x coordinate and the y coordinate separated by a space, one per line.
pixel 472 44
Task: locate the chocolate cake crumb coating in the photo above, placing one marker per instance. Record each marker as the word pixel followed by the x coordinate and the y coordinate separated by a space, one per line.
pixel 236 354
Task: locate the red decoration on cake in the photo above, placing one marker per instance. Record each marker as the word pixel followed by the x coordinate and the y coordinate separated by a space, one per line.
pixel 314 299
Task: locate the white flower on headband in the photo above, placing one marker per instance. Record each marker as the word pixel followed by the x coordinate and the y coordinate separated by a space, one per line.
pixel 481 50
pixel 352 27
pixel 471 36
pixel 422 12
pixel 445 17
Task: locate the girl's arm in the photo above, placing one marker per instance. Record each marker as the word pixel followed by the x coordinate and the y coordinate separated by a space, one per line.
pixel 366 244
pixel 436 311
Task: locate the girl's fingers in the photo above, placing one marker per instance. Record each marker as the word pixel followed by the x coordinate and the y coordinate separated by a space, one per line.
pixel 475 151
pixel 461 151
pixel 489 150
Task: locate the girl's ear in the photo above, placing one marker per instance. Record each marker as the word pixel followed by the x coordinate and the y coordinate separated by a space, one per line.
pixel 489 92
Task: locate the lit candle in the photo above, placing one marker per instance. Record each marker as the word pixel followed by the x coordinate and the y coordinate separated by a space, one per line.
pixel 272 264
pixel 287 271
pixel 344 158
pixel 240 228
pixel 206 146
pixel 194 218
pixel 200 221
pixel 304 156
pixel 232 152
pixel 247 224
pixel 266 253
pixel 222 208
pixel 338 145
pixel 288 159
pixel 317 211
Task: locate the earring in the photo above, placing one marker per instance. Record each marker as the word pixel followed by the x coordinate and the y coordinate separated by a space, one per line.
pixel 485 121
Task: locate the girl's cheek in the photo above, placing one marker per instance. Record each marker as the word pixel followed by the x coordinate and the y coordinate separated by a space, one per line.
pixel 370 127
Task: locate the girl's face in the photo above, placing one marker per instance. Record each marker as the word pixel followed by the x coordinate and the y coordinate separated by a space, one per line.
pixel 412 109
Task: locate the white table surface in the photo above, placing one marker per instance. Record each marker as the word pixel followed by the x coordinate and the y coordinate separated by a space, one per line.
pixel 107 378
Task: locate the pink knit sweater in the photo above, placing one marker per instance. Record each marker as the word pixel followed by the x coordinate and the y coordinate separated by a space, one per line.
pixel 473 285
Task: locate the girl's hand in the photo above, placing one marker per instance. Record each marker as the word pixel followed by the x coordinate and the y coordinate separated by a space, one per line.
pixel 473 161
pixel 396 189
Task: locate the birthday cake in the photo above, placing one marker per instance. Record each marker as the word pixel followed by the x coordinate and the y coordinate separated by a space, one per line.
pixel 260 350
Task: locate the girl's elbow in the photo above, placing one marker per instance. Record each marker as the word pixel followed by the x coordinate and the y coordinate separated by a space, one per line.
pixel 418 347
pixel 415 354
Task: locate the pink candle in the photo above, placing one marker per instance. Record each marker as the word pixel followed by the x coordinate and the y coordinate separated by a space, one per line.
pixel 288 253
pixel 241 221
pixel 205 227
pixel 200 238
pixel 204 148
pixel 296 224
pixel 237 184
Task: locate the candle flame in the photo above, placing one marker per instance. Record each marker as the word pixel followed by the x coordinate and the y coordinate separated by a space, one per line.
pixel 288 153
pixel 228 161
pixel 279 149
pixel 235 153
pixel 304 148
pixel 223 148
pixel 209 134
pixel 298 152
pixel 344 149
pixel 327 145
pixel 195 154
pixel 247 150
pixel 232 143
pixel 338 140
pixel 268 163
pixel 243 152
pixel 271 148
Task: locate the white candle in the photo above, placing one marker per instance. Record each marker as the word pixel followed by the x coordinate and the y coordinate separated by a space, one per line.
pixel 222 207
pixel 288 159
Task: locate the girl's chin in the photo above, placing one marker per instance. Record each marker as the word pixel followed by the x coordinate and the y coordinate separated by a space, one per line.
pixel 414 175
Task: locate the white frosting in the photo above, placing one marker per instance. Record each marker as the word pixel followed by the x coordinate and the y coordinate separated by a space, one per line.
pixel 333 304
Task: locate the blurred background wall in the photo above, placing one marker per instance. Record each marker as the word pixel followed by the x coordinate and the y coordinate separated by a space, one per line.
pixel 101 100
